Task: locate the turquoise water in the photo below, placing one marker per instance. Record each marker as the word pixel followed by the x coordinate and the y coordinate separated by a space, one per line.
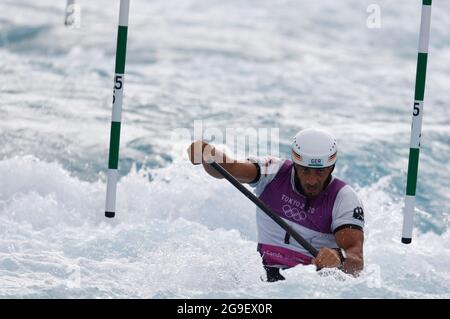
pixel 234 64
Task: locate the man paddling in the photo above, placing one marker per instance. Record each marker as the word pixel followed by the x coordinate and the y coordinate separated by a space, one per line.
pixel 302 191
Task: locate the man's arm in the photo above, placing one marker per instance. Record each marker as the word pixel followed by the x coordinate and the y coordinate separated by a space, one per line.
pixel 351 240
pixel 199 152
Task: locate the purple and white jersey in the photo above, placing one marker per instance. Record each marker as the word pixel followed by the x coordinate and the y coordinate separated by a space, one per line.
pixel 315 218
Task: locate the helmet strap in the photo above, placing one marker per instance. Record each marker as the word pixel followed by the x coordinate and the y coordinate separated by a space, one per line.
pixel 332 169
pixel 327 182
pixel 297 184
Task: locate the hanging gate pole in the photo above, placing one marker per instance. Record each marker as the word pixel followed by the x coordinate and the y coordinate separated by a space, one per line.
pixel 119 78
pixel 416 127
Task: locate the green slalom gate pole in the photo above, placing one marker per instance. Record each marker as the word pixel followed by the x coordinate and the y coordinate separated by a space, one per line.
pixel 119 78
pixel 416 127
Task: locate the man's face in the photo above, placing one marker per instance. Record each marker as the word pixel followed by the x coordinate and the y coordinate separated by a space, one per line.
pixel 312 179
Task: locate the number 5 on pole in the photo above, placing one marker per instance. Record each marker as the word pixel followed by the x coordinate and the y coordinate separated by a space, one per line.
pixel 121 50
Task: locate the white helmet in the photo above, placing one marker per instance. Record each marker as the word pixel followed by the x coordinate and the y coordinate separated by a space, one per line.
pixel 314 148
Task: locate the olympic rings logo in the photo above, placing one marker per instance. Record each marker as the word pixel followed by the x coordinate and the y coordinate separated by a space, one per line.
pixel 293 213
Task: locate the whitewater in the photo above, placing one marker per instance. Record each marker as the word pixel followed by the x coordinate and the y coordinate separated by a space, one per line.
pixel 178 233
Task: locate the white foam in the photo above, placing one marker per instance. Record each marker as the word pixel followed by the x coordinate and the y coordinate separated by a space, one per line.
pixel 183 237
